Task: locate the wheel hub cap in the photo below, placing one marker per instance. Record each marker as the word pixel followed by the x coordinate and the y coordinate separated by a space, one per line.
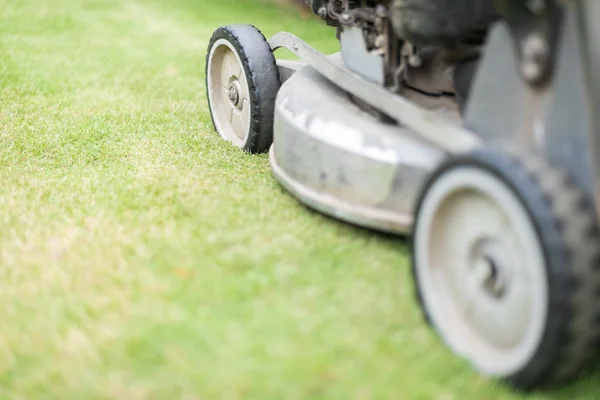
pixel 234 94
pixel 488 268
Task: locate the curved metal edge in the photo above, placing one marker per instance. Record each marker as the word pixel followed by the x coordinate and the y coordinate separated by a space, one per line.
pixel 400 224
pixel 429 125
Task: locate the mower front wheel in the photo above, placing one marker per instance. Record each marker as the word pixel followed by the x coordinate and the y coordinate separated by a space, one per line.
pixel 242 81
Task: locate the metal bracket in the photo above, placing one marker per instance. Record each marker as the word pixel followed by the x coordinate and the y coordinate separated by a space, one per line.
pixel 535 26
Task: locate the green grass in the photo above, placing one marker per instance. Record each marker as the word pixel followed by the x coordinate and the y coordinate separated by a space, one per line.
pixel 143 258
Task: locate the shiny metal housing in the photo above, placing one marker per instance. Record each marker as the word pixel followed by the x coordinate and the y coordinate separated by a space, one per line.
pixel 342 161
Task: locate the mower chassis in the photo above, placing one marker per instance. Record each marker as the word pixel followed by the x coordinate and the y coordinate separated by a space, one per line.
pixel 344 162
pixel 340 160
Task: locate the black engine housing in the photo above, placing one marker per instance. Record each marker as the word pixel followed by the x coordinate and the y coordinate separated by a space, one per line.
pixel 431 22
pixel 441 22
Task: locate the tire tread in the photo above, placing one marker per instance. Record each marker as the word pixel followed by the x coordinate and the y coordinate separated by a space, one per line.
pixel 260 67
pixel 566 223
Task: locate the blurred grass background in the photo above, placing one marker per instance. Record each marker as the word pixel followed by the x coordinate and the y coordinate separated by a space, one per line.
pixel 143 258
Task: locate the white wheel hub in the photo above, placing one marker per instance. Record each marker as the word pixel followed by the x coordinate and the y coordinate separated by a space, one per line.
pixel 229 95
pixel 481 270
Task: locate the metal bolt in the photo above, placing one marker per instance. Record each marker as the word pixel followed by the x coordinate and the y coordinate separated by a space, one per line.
pixel 322 12
pixel 345 18
pixel 415 60
pixel 535 53
pixel 234 95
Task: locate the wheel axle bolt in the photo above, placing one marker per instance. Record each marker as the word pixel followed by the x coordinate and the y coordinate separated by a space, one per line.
pixel 234 95
pixel 535 53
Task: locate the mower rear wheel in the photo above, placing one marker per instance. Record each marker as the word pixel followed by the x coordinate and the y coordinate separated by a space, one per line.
pixel 505 263
pixel 242 81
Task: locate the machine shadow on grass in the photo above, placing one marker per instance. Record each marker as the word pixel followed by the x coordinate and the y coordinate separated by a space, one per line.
pixel 386 238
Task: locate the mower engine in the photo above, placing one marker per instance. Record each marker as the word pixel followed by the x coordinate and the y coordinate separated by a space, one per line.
pixel 427 50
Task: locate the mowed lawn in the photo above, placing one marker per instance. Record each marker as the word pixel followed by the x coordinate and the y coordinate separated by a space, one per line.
pixel 143 258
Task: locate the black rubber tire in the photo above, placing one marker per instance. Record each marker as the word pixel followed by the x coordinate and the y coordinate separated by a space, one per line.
pixel 263 79
pixel 566 224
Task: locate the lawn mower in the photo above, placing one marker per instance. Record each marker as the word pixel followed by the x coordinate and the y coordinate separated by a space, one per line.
pixel 466 125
